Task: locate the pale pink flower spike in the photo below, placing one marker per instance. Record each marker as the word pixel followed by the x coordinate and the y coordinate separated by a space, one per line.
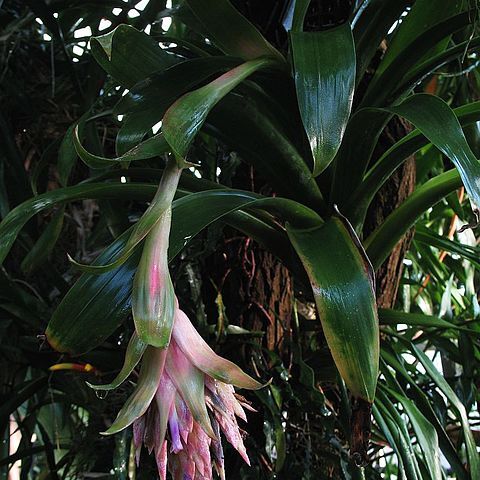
pixel 191 407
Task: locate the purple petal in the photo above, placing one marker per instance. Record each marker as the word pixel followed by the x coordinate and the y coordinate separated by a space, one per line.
pixel 174 430
pixel 185 419
pixel 217 450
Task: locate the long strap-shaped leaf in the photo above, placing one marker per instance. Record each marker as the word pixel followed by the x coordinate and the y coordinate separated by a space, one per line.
pixel 393 158
pixel 324 64
pixel 231 31
pixel 185 117
pixel 342 283
pixel 436 120
pixel 426 434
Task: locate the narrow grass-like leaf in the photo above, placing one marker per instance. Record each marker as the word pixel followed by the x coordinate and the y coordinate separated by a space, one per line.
pixel 381 242
pixel 133 354
pixel 185 117
pixel 442 384
pixel 426 434
pixel 402 444
pixel 342 284
pixel 324 69
pixel 395 317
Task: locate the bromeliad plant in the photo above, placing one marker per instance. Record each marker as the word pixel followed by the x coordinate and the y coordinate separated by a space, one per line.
pixel 308 120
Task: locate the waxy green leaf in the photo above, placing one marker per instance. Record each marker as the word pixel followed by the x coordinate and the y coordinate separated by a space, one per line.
pixel 148 100
pixel 436 120
pixel 426 434
pixel 152 147
pixel 185 117
pixel 343 287
pixel 231 31
pixel 129 55
pixel 472 454
pixel 324 69
pixel 95 306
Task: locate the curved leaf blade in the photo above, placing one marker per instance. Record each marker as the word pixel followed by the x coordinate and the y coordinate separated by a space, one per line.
pixel 152 147
pixel 185 117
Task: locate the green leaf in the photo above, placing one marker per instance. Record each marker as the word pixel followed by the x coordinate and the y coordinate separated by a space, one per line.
pixel 152 147
pixel 429 237
pixel 426 434
pixel 262 144
pixel 95 306
pixel 129 55
pixel 399 435
pixel 148 381
pixel 44 245
pixel 392 159
pixel 185 117
pixel 436 120
pixel 395 317
pixel 423 15
pixel 231 31
pixel 324 64
pixel 381 242
pixel 19 216
pixel 381 88
pixel 295 15
pixel 423 403
pixel 133 355
pixel 147 101
pixel 472 454
pixel 160 203
pixel 98 304
pixel 370 27
pixel 342 283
